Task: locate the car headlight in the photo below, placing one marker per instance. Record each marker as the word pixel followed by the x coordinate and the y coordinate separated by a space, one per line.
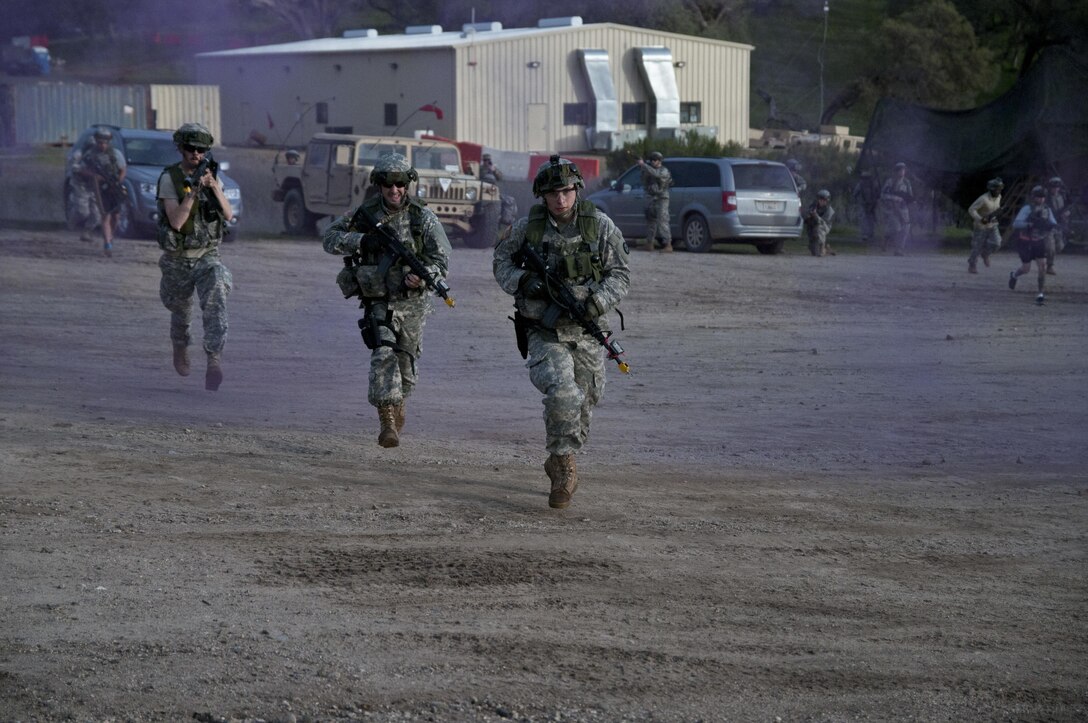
pixel 470 194
pixel 421 191
pixel 232 194
pixel 148 189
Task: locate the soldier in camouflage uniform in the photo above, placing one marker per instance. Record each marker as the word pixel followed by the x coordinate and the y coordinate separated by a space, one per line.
pixel 395 300
pixel 193 215
pixel 565 363
pixel 896 195
pixel 1058 201
pixel 817 218
pixel 656 181
pixel 101 170
pixel 986 235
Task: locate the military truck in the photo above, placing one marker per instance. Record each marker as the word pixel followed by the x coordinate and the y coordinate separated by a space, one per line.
pixel 334 176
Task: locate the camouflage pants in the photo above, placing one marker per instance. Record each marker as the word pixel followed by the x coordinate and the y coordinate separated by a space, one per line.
pixel 87 215
pixel 984 241
pixel 817 239
pixel 571 378
pixel 392 373
pixel 896 227
pixel 657 220
pixel 211 281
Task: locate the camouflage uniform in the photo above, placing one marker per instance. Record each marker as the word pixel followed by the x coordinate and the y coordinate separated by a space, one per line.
pixel 986 235
pixel 565 364
pixel 190 261
pixel 818 223
pixel 394 314
pixel 656 181
pixel 110 165
pixel 895 196
pixel 1058 201
pixel 393 373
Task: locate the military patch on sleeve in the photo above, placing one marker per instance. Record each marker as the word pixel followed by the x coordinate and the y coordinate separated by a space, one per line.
pixel 626 248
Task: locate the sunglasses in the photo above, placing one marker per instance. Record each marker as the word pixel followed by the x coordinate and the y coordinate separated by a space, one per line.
pixel 398 184
pixel 189 148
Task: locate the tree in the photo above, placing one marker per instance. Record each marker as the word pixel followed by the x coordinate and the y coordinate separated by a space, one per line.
pixel 1019 30
pixel 929 55
pixel 306 18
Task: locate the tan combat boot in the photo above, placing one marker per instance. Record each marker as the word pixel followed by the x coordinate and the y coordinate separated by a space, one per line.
pixel 387 437
pixel 401 410
pixel 181 359
pixel 214 376
pixel 564 476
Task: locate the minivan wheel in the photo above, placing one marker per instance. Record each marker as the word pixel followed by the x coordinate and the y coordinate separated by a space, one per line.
pixel 772 248
pixel 697 234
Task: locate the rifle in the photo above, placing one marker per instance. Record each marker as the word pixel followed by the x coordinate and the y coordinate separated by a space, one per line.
pixel 563 299
pixel 205 163
pixel 395 249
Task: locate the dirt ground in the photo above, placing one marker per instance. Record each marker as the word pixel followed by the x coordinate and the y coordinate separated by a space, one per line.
pixel 851 488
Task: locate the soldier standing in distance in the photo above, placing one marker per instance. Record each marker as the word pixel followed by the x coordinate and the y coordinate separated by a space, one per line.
pixel 656 181
pixel 817 219
pixel 193 216
pixel 565 364
pixel 896 195
pixel 985 237
pixel 394 299
pixel 1058 201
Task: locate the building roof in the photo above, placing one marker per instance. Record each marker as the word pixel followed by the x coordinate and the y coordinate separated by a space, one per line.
pixel 422 39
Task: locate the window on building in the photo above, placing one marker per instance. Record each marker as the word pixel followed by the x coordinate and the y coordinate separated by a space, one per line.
pixel 321 113
pixel 634 113
pixel 390 114
pixel 691 112
pixel 576 114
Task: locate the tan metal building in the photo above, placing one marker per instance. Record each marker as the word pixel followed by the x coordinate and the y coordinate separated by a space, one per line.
pixel 561 86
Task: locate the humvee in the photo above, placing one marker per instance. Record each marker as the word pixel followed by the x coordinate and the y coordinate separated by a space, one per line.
pixel 334 177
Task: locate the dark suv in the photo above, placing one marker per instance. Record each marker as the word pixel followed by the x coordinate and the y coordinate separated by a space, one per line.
pixel 146 153
pixel 735 200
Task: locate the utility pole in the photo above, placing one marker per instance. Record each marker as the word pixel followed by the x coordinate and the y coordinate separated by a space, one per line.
pixel 820 59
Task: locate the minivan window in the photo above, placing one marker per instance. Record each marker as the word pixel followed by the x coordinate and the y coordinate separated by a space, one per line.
pixel 756 176
pixel 695 174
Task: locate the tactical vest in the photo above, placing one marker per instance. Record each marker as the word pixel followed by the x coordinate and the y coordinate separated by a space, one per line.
pixel 204 227
pixel 578 263
pixel 370 254
pixel 368 273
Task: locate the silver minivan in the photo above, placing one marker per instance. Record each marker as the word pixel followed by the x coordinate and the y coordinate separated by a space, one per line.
pixel 734 200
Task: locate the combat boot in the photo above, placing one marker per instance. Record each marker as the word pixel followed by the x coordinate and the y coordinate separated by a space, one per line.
pixel 388 437
pixel 214 376
pixel 564 476
pixel 181 359
pixel 401 410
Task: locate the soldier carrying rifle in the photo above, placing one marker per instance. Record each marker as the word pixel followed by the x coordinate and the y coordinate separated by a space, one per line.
pixel 985 237
pixel 102 169
pixel 395 249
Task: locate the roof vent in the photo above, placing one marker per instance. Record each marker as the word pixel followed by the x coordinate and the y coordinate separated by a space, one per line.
pixel 480 27
pixel 361 33
pixel 423 30
pixel 572 21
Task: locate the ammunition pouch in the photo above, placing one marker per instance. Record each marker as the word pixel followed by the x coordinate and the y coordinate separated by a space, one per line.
pixel 349 285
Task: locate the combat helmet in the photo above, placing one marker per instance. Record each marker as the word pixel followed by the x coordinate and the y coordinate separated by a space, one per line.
pixel 557 173
pixel 1038 192
pixel 1055 181
pixel 655 156
pixel 103 134
pixel 995 184
pixel 793 164
pixel 194 134
pixel 393 168
pixel 824 194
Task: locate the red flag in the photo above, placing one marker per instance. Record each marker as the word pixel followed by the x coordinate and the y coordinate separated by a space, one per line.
pixel 430 108
pixel 271 125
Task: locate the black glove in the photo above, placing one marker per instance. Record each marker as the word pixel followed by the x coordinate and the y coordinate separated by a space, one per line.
pixel 531 286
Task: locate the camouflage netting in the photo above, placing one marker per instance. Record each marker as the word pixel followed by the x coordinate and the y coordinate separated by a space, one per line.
pixel 1036 130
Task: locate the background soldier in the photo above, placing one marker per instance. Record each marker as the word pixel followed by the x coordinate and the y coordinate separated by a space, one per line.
pixel 818 223
pixel 1058 201
pixel 488 170
pixel 565 364
pixel 795 170
pixel 1034 224
pixel 656 181
pixel 394 299
pixel 193 215
pixel 986 237
pixel 102 168
pixel 490 173
pixel 896 195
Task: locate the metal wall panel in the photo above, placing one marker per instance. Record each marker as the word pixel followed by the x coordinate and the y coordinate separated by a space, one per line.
pixel 58 112
pixel 175 105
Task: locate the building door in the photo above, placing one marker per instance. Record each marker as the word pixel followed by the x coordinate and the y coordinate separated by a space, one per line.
pixel 536 132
